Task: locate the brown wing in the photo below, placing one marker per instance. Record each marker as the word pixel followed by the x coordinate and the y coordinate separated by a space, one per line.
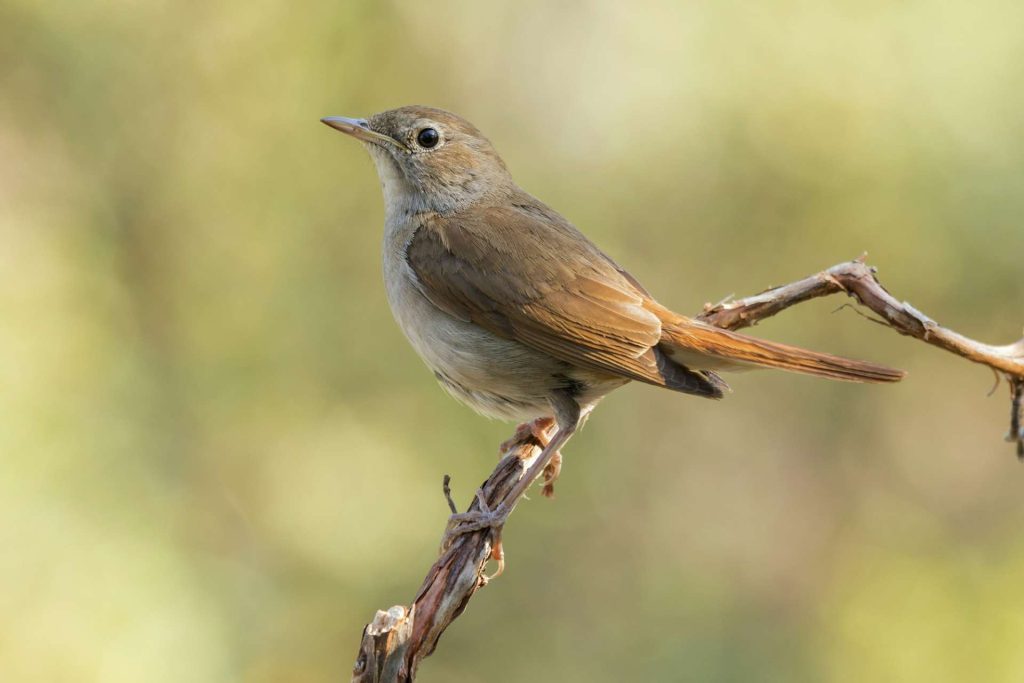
pixel 523 272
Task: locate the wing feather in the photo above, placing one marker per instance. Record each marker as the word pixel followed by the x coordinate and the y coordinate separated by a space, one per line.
pixel 523 272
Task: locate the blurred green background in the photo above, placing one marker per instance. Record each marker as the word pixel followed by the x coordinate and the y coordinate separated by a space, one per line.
pixel 218 455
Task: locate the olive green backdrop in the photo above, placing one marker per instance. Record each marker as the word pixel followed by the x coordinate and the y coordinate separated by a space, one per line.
pixel 218 456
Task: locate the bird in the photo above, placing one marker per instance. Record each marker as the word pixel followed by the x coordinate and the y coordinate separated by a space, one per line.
pixel 518 314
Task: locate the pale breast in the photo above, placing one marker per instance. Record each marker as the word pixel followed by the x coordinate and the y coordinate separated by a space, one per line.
pixel 497 377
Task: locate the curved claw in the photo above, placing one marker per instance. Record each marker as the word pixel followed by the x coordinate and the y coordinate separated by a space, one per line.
pixel 498 555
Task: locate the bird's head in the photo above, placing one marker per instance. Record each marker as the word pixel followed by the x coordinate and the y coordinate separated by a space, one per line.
pixel 428 157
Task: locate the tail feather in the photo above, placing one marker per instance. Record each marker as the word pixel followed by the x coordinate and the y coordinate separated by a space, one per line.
pixel 701 346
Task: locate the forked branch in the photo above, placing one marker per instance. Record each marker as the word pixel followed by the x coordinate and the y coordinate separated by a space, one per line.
pixel 395 642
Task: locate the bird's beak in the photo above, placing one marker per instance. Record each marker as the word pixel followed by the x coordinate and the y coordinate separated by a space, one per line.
pixel 360 129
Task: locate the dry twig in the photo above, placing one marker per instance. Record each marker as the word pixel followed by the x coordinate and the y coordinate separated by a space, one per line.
pixel 395 642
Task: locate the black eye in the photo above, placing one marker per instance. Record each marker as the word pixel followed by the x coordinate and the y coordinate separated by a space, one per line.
pixel 427 138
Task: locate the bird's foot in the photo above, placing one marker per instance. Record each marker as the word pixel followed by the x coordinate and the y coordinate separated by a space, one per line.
pixel 534 432
pixel 551 474
pixel 467 522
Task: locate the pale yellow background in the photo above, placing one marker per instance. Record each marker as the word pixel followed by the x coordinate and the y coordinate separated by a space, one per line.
pixel 218 456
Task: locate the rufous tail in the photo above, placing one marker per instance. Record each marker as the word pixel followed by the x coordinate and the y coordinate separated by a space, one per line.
pixel 699 345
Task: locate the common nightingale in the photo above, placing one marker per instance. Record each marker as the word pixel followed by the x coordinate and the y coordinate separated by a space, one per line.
pixel 516 312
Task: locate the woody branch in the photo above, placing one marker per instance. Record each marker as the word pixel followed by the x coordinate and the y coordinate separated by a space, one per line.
pixel 398 639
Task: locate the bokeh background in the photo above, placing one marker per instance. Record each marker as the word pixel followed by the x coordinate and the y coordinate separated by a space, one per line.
pixel 218 455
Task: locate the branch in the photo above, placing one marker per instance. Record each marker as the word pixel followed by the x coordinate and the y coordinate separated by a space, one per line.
pixel 395 642
pixel 860 281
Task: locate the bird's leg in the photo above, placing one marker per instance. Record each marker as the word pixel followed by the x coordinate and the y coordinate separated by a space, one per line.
pixel 567 417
